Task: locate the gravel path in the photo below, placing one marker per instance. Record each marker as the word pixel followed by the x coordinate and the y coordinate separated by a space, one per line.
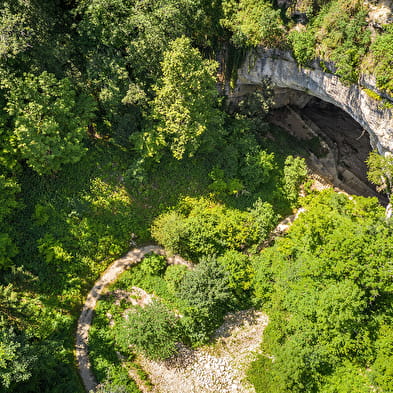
pixel 85 319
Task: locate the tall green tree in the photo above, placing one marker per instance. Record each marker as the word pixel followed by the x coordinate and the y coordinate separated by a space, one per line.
pixel 122 44
pixel 50 121
pixel 185 107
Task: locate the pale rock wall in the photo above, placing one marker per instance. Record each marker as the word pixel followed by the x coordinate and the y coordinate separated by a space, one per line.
pixel 283 72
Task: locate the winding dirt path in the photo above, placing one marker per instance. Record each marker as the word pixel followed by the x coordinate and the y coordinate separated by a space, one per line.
pixel 110 275
pixel 85 319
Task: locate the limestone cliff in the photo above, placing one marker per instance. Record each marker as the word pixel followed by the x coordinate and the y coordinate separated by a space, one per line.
pixel 284 72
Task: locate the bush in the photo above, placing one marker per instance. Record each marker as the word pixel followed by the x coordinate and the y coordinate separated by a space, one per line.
pixel 152 331
pixel 303 45
pixel 174 275
pixel 201 226
pixel 170 229
pixel 153 264
pixel 239 269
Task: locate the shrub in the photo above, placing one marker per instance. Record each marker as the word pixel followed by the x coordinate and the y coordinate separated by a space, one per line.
pixel 303 45
pixel 153 264
pixel 152 331
pixel 174 275
pixel 201 226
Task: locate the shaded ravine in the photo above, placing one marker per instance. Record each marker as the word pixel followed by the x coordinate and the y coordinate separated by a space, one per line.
pixel 85 319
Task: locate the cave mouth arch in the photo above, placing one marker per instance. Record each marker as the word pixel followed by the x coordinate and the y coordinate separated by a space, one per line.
pixel 282 71
pixel 346 143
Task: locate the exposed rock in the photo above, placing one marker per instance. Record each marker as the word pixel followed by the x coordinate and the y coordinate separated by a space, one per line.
pixel 219 367
pixel 284 72
pixel 380 12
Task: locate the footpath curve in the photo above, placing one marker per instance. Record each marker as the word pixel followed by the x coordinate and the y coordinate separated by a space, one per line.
pixel 85 319
pixel 110 275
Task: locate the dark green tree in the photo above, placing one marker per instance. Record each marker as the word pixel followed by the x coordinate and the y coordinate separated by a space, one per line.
pixel 207 293
pixel 152 330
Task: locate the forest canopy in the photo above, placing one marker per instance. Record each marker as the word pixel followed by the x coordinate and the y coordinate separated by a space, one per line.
pixel 116 131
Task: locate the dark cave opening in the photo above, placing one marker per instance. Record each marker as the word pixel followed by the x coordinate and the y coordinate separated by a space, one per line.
pixel 345 143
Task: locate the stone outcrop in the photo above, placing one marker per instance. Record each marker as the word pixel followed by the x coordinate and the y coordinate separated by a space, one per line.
pixel 284 72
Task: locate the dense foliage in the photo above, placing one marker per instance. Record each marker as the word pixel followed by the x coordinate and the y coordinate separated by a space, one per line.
pixel 151 330
pixel 329 291
pixel 113 134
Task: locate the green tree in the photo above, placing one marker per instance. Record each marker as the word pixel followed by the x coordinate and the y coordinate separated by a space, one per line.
pixel 254 22
pixel 382 369
pixel 152 330
pixel 327 283
pixel 122 45
pixel 295 173
pixel 264 218
pixel 257 168
pixel 15 359
pixel 380 172
pixel 201 227
pixel 50 121
pixel 207 293
pixel 240 271
pixel 185 107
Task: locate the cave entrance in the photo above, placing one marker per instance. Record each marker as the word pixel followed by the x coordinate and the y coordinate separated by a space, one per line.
pixel 345 144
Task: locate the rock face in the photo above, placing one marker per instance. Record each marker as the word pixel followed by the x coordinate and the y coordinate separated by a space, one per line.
pixel 283 72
